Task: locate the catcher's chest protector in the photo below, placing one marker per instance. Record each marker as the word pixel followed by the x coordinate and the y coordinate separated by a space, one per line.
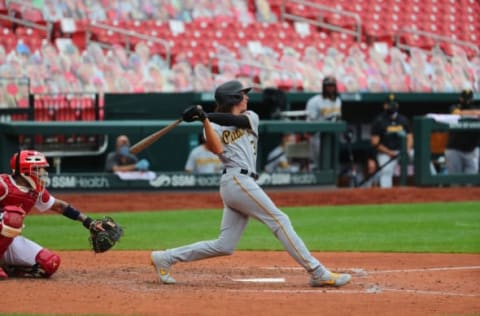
pixel 12 195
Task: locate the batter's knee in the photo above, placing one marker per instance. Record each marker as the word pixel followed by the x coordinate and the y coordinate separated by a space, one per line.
pixel 48 262
pixel 224 249
pixel 227 251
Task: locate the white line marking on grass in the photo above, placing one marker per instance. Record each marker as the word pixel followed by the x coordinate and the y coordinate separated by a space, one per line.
pixel 261 280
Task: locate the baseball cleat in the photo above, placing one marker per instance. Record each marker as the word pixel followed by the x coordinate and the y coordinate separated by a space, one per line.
pixel 162 267
pixel 330 279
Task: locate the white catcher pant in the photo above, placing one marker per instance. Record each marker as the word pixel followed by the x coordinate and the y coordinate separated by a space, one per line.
pixel 21 252
pixel 244 198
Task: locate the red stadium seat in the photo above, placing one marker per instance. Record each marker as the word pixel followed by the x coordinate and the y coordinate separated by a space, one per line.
pixel 380 19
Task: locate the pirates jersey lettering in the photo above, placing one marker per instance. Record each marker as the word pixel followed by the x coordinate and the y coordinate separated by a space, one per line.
pixel 229 137
pixel 394 128
pixel 240 145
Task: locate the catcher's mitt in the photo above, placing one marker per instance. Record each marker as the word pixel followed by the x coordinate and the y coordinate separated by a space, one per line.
pixel 103 240
pixel 194 113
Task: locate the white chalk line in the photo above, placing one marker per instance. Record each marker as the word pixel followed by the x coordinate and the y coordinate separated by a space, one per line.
pixel 424 292
pixel 318 291
pixel 425 269
pixel 374 290
pixel 261 280
pixel 360 270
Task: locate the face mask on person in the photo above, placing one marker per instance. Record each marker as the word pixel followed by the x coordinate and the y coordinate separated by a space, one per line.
pixel 391 109
pixel 124 150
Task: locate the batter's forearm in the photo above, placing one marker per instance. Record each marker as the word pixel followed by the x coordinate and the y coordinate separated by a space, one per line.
pixel 228 119
pixel 213 141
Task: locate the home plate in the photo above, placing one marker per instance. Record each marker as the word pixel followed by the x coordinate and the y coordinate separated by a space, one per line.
pixel 261 280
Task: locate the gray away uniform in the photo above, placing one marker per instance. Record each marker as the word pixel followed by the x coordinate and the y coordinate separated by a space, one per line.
pixel 244 198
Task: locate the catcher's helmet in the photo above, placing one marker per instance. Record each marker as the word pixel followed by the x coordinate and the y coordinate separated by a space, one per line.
pixel 329 81
pixel 228 94
pixel 30 164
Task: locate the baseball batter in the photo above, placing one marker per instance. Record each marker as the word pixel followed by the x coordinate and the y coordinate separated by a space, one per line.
pixel 233 136
pixel 20 192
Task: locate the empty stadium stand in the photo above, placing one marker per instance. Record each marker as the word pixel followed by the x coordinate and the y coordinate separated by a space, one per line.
pixel 268 43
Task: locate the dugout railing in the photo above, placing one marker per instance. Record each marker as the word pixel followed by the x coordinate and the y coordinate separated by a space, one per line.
pixel 423 127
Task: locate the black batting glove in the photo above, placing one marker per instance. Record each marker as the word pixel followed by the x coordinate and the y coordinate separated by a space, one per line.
pixel 194 113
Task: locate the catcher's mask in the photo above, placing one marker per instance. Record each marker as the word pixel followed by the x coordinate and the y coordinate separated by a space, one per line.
pixel 30 165
pixel 229 94
pixel 329 88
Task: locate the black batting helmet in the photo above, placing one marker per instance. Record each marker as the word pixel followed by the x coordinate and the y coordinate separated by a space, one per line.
pixel 329 81
pixel 229 94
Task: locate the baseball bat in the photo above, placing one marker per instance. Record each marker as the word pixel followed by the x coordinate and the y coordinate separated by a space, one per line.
pixel 152 138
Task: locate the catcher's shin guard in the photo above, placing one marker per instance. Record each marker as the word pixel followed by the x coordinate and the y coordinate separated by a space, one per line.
pixel 11 224
pixel 48 262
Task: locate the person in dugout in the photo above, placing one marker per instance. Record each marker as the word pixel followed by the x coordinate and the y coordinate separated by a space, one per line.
pixel 326 106
pixel 122 159
pixel 462 150
pixel 389 129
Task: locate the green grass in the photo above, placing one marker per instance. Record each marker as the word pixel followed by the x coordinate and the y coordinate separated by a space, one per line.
pixel 429 227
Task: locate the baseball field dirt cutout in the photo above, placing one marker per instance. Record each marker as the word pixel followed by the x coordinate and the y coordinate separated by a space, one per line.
pixel 254 282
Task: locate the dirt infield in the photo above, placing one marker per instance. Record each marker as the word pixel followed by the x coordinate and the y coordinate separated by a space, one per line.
pixel 254 283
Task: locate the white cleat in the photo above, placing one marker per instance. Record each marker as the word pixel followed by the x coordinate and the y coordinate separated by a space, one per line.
pixel 330 279
pixel 162 267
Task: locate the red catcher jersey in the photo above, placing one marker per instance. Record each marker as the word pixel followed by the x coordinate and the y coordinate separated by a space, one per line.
pixel 12 194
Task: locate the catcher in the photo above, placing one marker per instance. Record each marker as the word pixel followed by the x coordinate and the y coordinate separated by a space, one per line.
pixel 20 192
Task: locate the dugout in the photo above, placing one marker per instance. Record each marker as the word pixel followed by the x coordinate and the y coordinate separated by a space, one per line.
pixel 173 148
pixel 358 110
pixel 151 110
